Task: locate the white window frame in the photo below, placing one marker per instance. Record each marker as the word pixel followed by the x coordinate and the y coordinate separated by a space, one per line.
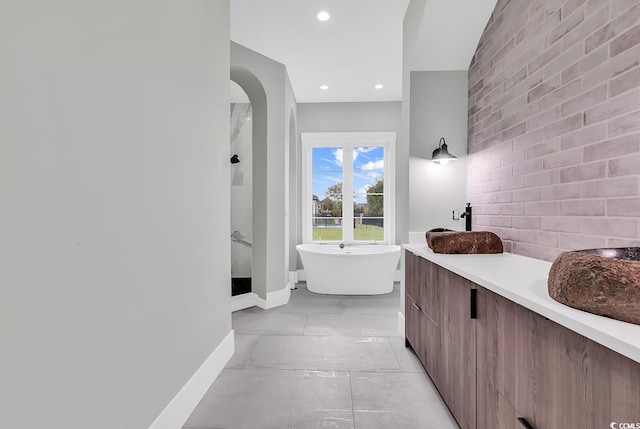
pixel 348 141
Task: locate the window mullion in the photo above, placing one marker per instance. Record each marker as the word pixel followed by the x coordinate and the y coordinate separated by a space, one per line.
pixel 347 194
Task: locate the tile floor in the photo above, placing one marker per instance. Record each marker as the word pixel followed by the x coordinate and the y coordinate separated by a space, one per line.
pixel 322 361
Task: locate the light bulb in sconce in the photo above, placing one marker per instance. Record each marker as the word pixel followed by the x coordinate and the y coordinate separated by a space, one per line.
pixel 441 155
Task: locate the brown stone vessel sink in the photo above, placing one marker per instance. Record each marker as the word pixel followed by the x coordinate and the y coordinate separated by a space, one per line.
pixel 464 242
pixel 601 281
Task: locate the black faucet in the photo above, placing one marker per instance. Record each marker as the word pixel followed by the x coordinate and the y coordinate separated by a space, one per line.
pixel 467 217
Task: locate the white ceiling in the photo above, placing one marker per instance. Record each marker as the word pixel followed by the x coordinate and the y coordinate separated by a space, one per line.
pixel 360 46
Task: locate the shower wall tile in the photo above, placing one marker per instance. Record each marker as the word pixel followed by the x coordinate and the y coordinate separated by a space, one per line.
pixel 554 125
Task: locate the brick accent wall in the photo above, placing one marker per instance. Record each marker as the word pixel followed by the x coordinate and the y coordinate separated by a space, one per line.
pixel 554 125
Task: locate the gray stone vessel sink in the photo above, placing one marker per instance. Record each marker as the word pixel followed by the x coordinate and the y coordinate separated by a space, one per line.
pixel 604 281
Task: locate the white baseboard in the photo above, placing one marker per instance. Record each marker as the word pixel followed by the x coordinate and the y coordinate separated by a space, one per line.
pixel 246 300
pixel 277 298
pixel 182 405
pixel 401 323
pixel 274 299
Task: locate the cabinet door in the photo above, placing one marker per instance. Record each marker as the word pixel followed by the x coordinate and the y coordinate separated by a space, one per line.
pixel 458 347
pixel 531 367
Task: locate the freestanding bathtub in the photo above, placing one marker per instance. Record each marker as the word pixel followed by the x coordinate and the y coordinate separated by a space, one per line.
pixel 354 270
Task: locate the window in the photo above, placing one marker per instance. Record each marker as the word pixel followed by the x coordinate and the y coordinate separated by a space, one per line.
pixel 347 184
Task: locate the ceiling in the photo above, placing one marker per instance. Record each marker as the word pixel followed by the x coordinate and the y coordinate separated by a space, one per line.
pixel 359 47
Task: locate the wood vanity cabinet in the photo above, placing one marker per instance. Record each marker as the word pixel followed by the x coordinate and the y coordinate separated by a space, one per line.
pixel 440 330
pixel 512 363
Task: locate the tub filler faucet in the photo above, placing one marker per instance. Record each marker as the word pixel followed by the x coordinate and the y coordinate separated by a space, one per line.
pixel 467 217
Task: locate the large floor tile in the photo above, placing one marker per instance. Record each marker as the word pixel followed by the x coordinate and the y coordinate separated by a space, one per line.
pixel 244 345
pixel 258 321
pixel 355 325
pixel 406 356
pixel 323 353
pixel 303 301
pixel 398 400
pixel 275 399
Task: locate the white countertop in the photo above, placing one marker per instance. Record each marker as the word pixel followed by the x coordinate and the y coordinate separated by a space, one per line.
pixel 524 281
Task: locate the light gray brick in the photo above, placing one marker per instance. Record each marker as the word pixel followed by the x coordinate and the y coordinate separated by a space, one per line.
pixel 544 178
pixel 613 107
pixel 512 158
pixel 582 207
pixel 502 173
pixel 591 61
pixel 610 227
pixel 591 171
pixel 584 100
pixel 501 221
pixel 620 187
pixel 624 124
pixel 525 195
pixel 511 184
pixel 619 242
pixel 612 29
pixel 542 238
pixel 501 197
pixel 529 250
pixel 625 82
pixel 527 140
pixel 585 29
pixel 614 148
pixel 579 242
pixel 560 224
pixel 563 126
pixel 544 88
pixel 550 253
pixel 619 6
pixel 625 41
pixel 612 68
pixel 562 159
pixel 594 6
pixel 561 192
pixel 584 136
pixel 526 222
pixel 545 148
pixel 544 208
pixel 527 167
pixel 562 94
pixel 542 119
pixel 623 207
pixel 565 26
pixel 566 59
pixel 626 165
pixel 511 209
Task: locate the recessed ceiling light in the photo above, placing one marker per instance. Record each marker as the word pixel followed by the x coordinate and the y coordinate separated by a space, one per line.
pixel 323 15
pixel 324 87
pixel 379 86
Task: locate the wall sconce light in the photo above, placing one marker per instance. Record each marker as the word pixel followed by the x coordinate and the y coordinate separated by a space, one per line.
pixel 441 155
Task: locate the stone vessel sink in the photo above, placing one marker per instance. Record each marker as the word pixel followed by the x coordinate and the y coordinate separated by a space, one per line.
pixel 600 281
pixel 463 242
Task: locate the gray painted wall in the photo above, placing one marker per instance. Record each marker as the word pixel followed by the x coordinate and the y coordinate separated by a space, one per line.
pixel 347 117
pixel 115 207
pixel 261 77
pixel 438 109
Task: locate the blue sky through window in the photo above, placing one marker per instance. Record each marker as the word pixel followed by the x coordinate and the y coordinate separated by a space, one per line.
pixel 368 166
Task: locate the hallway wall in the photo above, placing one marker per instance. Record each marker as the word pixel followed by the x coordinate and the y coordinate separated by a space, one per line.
pixel 114 176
